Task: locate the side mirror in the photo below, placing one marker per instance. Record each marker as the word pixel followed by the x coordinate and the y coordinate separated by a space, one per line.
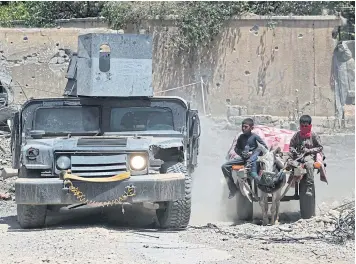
pixel 194 131
pixel 194 121
pixel 15 143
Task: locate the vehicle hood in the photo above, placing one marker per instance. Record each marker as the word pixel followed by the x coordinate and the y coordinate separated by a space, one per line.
pixel 97 144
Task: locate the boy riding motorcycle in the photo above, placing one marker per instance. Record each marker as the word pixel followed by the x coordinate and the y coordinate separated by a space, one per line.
pixel 306 143
pixel 246 149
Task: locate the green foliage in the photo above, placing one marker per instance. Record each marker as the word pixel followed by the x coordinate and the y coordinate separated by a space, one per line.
pixel 297 8
pixel 198 22
pixel 121 14
pixel 202 21
pixel 44 13
pixel 13 11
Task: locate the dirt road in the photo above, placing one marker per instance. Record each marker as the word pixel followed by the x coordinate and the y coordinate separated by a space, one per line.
pixel 96 235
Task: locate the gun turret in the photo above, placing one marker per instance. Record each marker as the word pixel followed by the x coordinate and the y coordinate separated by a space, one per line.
pixel 111 65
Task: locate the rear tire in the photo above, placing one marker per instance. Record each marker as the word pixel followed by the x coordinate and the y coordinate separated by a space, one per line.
pixel 31 216
pixel 306 203
pixel 177 213
pixel 244 207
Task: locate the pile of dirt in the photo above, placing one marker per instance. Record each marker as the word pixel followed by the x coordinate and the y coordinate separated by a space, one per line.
pixel 7 195
pixel 5 151
pixel 7 186
pixel 336 226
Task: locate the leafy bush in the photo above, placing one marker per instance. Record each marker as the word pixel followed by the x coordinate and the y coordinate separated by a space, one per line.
pixel 197 22
pixel 44 13
pixel 13 11
pixel 121 14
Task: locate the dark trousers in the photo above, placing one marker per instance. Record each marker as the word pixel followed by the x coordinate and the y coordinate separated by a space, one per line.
pixel 252 161
pixel 227 168
pixel 309 167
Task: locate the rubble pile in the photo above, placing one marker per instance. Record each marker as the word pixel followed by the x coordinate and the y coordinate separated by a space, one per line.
pixel 5 151
pixel 7 189
pixel 7 186
pixel 336 226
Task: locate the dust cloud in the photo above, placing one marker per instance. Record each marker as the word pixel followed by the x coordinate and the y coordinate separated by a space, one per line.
pixel 209 197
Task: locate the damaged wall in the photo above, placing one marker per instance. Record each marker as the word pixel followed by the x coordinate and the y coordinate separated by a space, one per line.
pixel 248 63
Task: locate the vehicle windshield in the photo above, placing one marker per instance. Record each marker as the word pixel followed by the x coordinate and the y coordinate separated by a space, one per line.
pixel 141 119
pixel 69 119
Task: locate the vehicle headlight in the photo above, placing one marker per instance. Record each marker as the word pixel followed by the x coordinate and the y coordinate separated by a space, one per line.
pixel 137 162
pixel 63 162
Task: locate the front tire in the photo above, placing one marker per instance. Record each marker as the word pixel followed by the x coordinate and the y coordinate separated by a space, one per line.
pixel 177 213
pixel 28 215
pixel 31 216
pixel 306 203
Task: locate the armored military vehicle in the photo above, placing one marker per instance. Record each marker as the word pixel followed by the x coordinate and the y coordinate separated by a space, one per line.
pixel 108 140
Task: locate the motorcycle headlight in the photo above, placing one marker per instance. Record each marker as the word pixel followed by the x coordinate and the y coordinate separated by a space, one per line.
pixel 63 162
pixel 138 162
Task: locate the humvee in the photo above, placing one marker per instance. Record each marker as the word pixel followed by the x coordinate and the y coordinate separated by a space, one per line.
pixel 108 140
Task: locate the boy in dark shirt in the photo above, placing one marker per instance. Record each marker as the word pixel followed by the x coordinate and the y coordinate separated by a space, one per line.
pixel 246 148
pixel 307 143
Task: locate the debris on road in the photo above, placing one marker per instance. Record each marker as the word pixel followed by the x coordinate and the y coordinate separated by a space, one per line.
pixel 5 151
pixel 7 187
pixel 5 196
pixel 345 222
pixel 6 173
pixel 337 226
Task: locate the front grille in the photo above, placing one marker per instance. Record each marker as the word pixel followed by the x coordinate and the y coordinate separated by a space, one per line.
pixel 98 166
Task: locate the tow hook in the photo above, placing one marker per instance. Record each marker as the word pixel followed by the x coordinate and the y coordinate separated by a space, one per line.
pixel 66 185
pixel 130 190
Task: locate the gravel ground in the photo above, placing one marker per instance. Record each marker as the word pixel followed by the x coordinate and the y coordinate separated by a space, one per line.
pixel 5 154
pixel 84 237
pixel 96 235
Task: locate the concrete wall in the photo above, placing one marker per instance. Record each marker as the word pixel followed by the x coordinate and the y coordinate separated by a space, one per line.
pixel 260 69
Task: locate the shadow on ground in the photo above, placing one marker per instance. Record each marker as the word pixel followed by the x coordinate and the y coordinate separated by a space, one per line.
pixel 135 219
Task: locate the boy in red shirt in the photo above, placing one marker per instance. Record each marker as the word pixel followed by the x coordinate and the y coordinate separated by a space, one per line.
pixel 308 143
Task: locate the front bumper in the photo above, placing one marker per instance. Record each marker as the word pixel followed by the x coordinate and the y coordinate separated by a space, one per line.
pixel 149 188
